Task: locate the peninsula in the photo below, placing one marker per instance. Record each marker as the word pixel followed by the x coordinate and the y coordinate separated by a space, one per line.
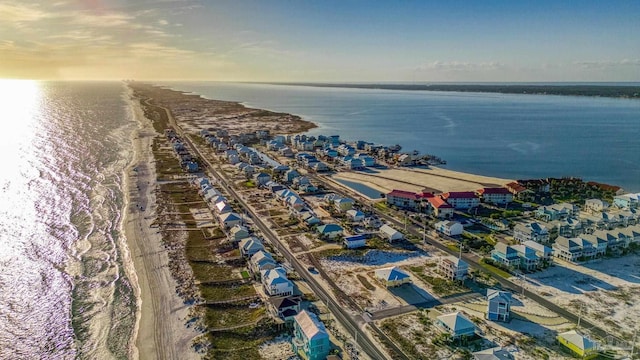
pixel 604 90
pixel 255 238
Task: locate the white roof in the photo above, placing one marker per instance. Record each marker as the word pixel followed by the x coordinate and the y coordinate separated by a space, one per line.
pixel 310 325
pixel 580 341
pixel 388 230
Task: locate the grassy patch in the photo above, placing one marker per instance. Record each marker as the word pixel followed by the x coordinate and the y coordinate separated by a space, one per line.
pixel 365 282
pixel 222 317
pixel 224 292
pixel 206 272
pixel 494 269
pixel 241 343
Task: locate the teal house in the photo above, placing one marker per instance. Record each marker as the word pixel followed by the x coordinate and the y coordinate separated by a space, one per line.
pixel 310 337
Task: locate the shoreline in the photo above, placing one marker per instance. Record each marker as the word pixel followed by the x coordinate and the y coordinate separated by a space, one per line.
pixel 160 330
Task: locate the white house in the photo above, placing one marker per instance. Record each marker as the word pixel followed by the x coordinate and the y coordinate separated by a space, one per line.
pixel 389 233
pixel 355 215
pixel 230 219
pixel 356 241
pixel 261 261
pixel 275 282
pixel 449 228
pixel 223 207
pixel 453 268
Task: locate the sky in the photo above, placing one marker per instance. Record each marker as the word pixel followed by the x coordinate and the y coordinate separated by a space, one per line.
pixel 321 41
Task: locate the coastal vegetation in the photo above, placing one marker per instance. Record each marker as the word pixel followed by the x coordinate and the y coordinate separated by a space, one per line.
pixel 596 90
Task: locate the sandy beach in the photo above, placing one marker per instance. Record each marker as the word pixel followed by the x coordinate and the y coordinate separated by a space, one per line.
pixel 160 332
pixel 432 179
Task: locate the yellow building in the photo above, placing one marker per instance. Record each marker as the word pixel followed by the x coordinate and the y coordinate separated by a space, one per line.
pixel 581 346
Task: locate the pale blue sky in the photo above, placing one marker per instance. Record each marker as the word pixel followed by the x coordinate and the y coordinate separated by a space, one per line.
pixel 321 40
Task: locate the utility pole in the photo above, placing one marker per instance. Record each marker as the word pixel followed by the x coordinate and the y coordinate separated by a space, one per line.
pixel 633 343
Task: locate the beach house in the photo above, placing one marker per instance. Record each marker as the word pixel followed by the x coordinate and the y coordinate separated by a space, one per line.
pixel 390 234
pixel 343 204
pixel 355 241
pixel 440 208
pixel 456 324
pixel 556 211
pixel 627 201
pixel 505 255
pixel 544 253
pixel 393 276
pixel 329 231
pixel 275 282
pixel 496 353
pixel 461 200
pixel 229 219
pixel 285 307
pixel 310 338
pixel 249 246
pixel 495 195
pixel 237 233
pixel 568 249
pixel 498 305
pixel 449 228
pixel 260 261
pixel 531 232
pixel 453 268
pixel 529 260
pixel 355 215
pixel 599 243
pixel 408 200
pixel 580 345
pixel 595 205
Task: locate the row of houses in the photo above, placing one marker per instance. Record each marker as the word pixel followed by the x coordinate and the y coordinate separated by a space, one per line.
pixel 444 204
pixel 187 161
pixel 217 203
pixel 590 246
pixel 529 256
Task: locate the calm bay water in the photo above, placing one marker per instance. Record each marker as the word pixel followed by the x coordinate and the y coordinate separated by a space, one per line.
pixel 63 291
pixel 509 136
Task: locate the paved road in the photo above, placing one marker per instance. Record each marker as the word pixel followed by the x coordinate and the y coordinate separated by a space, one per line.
pixel 351 323
pixel 399 310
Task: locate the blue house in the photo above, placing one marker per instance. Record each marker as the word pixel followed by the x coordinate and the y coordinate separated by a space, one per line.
pixel 310 337
pixel 506 255
pixel 499 305
pixel 330 230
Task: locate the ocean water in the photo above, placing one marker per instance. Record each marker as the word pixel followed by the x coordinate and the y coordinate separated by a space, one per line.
pixel 508 136
pixel 63 289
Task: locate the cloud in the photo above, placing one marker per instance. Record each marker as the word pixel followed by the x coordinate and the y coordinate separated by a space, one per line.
pixel 461 66
pixel 608 64
pixel 18 13
pixel 163 22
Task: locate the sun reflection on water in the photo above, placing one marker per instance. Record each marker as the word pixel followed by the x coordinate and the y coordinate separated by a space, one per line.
pixel 20 102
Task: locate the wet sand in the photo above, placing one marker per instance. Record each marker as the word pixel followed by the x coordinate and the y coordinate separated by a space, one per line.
pixel 160 332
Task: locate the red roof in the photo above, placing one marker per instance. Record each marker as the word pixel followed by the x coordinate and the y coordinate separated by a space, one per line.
pixel 459 195
pixel 409 195
pixel 493 191
pixel 515 187
pixel 439 203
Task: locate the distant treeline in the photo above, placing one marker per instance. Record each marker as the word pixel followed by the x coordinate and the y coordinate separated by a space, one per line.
pixel 574 90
